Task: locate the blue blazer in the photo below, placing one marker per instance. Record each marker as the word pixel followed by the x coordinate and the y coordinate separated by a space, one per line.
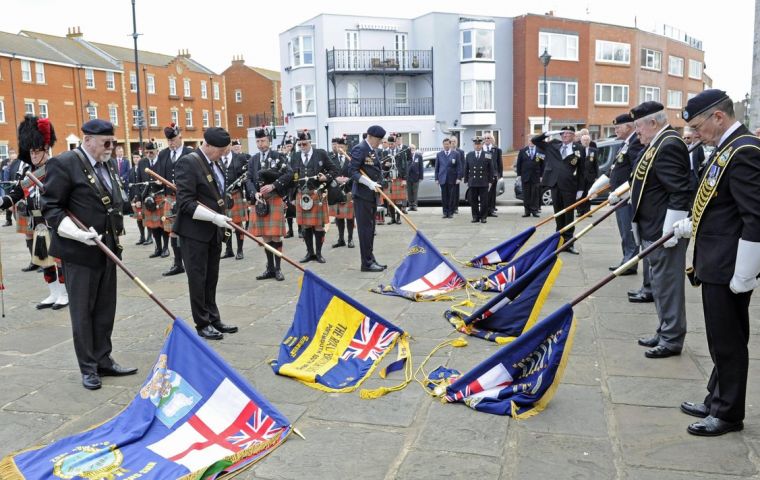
pixel 448 169
pixel 364 158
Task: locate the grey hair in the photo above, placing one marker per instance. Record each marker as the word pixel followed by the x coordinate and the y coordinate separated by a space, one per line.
pixel 660 118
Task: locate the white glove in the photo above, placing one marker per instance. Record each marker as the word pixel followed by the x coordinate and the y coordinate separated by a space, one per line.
pixel 367 182
pixel 206 215
pixel 600 183
pixel 682 228
pixel 671 217
pixel 578 194
pixel 747 267
pixel 68 229
pixel 612 199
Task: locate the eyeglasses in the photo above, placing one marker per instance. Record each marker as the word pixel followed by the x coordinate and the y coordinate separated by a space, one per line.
pixel 697 127
pixel 303 144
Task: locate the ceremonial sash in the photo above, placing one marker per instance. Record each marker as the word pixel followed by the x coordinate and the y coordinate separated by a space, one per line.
pixel 639 176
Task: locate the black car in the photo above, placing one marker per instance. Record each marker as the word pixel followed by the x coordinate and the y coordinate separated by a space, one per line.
pixel 608 150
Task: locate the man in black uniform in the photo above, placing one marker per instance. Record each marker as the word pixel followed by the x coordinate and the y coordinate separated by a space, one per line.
pixel 414 176
pixel 83 182
pixel 478 172
pixel 455 146
pixel 200 223
pixel 563 174
pixel 590 170
pixel 364 159
pixel 153 204
pixel 530 169
pixel 696 158
pixel 234 167
pixel 725 223
pixel 343 209
pixel 495 153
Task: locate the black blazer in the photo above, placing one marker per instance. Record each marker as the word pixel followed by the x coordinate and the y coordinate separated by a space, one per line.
pixel 238 165
pixel 364 158
pixel 319 162
pixel 496 158
pixel 563 173
pixel 696 158
pixel 590 164
pixel 416 170
pixel 478 172
pixel 164 166
pixel 193 187
pixel 625 161
pixel 530 170
pixel 273 160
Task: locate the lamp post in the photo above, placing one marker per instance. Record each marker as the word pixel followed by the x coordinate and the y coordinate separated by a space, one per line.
pixel 140 116
pixel 545 59
pixel 212 122
pixel 274 121
pixel 746 103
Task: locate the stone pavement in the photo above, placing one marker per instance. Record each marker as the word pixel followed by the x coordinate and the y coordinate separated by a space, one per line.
pixel 615 414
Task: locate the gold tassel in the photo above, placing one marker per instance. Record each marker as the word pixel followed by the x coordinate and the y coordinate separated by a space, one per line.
pixel 404 352
pixel 420 376
pixel 8 469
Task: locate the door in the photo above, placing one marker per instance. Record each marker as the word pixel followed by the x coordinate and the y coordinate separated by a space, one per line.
pixel 352 47
pixel 352 99
pixel 401 50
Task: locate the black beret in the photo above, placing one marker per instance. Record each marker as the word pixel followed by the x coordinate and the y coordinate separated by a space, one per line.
pixel 304 135
pixel 622 119
pixel 260 132
pixel 376 131
pixel 216 137
pixel 477 140
pixel 341 140
pixel 151 146
pixel 171 131
pixel 289 141
pixel 334 140
pixel 646 108
pixel 236 142
pixel 97 127
pixel 567 128
pixel 703 102
pixel 391 138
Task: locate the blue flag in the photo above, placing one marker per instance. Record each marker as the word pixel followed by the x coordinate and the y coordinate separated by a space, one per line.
pixel 514 311
pixel 503 252
pixel 424 274
pixel 520 379
pixel 498 280
pixel 335 343
pixel 194 416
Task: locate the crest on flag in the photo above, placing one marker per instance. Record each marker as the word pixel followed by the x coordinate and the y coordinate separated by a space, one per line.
pixel 507 274
pixel 502 253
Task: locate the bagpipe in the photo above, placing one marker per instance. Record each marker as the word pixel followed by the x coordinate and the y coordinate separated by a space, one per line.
pixel 236 185
pixel 306 185
pixel 336 191
pixel 149 200
pixel 265 177
pixel 389 167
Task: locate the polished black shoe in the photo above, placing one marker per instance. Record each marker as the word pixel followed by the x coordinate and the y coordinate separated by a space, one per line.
pixel 536 215
pixel 42 306
pixel 373 268
pixel 148 241
pixel 630 271
pixel 319 258
pixel 350 243
pixel 308 258
pixel 267 274
pixel 140 242
pixel 650 342
pixel 474 220
pixel 640 298
pixel 712 427
pixel 30 268
pixel 228 254
pixel 289 234
pixel 572 250
pixel 224 328
pixel 483 220
pixel 8 224
pixel 174 270
pixel 239 255
pixel 379 264
pixel 116 370
pixel 278 275
pixel 339 243
pixel 660 352
pixel 58 306
pixel 210 333
pixel 155 254
pixel 695 409
pixel 492 215
pixel 525 215
pixel 445 216
pixel 612 268
pixel 165 252
pixel 632 293
pixel 412 209
pixel 91 381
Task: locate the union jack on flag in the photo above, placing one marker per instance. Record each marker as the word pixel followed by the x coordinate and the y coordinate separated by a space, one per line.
pixel 373 339
pixel 503 278
pixel 487 385
pixel 259 428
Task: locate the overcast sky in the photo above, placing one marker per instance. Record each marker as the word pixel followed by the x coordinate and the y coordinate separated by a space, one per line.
pixel 214 31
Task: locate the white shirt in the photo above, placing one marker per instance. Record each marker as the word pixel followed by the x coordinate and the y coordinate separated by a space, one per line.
pixel 728 132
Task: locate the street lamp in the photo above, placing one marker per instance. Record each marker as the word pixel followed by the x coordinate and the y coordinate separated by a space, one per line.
pixel 274 122
pixel 545 59
pixel 746 103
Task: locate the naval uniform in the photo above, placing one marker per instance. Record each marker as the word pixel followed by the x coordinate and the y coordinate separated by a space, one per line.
pixel 530 169
pixel 365 159
pixel 478 172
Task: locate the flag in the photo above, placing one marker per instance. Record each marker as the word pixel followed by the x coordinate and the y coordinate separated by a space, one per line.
pixel 503 252
pixel 194 417
pixel 521 378
pixel 335 343
pixel 513 311
pixel 424 274
pixel 498 280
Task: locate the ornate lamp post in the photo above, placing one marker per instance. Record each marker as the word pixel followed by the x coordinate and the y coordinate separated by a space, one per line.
pixel 545 59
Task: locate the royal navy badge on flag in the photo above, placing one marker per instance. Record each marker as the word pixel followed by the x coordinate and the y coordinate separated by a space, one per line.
pixel 92 462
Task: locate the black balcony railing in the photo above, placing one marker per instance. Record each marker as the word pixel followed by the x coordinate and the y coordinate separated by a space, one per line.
pixel 379 107
pixel 260 119
pixel 380 61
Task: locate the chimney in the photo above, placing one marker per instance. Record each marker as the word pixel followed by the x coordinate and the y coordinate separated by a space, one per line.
pixel 184 53
pixel 550 13
pixel 237 60
pixel 73 32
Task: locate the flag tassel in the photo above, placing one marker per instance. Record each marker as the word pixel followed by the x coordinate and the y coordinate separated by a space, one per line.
pixel 404 355
pixel 421 377
pixel 8 469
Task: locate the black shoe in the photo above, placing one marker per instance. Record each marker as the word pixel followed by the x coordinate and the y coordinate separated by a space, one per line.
pixel 58 306
pixel 42 306
pixel 695 409
pixel 239 255
pixel 630 271
pixel 350 243
pixel 536 215
pixel 224 328
pixel 30 268
pixel 319 258
pixel 524 215
pixel 289 234
pixel 116 370
pixel 412 209
pixel 140 242
pixel 91 381
pixel 339 243
pixel 308 258
pixel 712 427
pixel 210 333
pixel 445 216
pixel 612 268
pixel 174 270
pixel 379 264
pixel 650 342
pixel 660 352
pixel 373 268
pixel 155 254
pixel 165 252
pixel 572 250
pixel 7 224
pixel 278 275
pixel 300 234
pixel 640 298
pixel 266 275
pixel 483 220
pixel 148 241
pixel 632 293
pixel 228 254
pixel 492 215
pixel 474 220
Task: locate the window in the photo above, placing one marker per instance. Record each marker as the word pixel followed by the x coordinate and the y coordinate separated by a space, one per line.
pixel 132 82
pixel 302 97
pixel 204 89
pixel 238 96
pixel 175 117
pixel 89 77
pixel 4 151
pixel 695 69
pixel 204 118
pixel 690 95
pixel 477 95
pixel 647 94
pixel 172 86
pixel 26 71
pixel 151 81
pixel 561 94
pixel 153 117
pixel 613 52
pixel 135 117
pixel 606 94
pixel 675 66
pixel 43 110
pixel 239 120
pixel 559 45
pixel 186 86
pixel 110 82
pixel 651 59
pixel 477 44
pixel 217 119
pixel 188 118
pixel 466 44
pixel 28 108
pixel 39 70
pixel 113 114
pixel 674 99
pixel 2 111
pixel 92 112
pixel 302 51
pixel 401 95
pixel 216 90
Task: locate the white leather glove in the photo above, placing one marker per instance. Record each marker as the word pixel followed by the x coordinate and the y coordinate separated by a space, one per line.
pixel 682 228
pixel 578 194
pixel 671 217
pixel 612 199
pixel 68 229
pixel 206 215
pixel 620 193
pixel 747 267
pixel 367 182
pixel 600 183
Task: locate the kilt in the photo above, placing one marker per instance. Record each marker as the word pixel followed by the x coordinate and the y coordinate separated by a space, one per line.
pixel 343 210
pixel 23 223
pixel 396 191
pixel 168 216
pixel 153 219
pixel 318 216
pixel 239 211
pixel 271 225
pixel 137 212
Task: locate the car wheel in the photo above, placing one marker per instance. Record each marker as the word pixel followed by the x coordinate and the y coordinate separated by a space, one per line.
pixel 546 198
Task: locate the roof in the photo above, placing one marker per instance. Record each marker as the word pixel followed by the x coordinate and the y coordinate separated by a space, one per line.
pixel 75 50
pixel 19 45
pixel 270 74
pixel 124 54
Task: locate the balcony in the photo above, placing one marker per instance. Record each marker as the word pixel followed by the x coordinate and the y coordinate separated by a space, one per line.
pixel 380 62
pixel 379 107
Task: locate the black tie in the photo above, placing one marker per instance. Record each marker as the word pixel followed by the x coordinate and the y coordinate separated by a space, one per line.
pixel 100 169
pixel 174 156
pixel 219 178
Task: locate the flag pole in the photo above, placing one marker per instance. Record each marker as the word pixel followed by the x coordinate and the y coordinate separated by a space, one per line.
pixel 112 256
pixel 387 199
pixel 235 226
pixel 596 222
pixel 567 209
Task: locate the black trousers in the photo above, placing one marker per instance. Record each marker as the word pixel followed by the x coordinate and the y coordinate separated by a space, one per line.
pixel 531 197
pixel 92 307
pixel 727 326
pixel 585 206
pixel 492 197
pixel 560 200
pixel 479 202
pixel 364 212
pixel 449 197
pixel 202 268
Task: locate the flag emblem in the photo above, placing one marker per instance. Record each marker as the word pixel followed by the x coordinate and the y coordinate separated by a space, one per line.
pixel 373 339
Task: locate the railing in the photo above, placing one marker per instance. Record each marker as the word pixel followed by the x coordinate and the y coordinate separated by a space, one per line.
pixel 380 61
pixel 259 119
pixel 379 107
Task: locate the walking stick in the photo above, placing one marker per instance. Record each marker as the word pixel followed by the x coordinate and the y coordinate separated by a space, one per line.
pixel 567 209
pixel 387 199
pixel 596 222
pixel 235 226
pixel 112 256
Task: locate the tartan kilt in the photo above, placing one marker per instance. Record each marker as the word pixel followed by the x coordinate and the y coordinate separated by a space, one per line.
pixel 168 217
pixel 343 210
pixel 317 216
pixel 153 219
pixel 137 212
pixel 271 225
pixel 23 225
pixel 397 191
pixel 239 211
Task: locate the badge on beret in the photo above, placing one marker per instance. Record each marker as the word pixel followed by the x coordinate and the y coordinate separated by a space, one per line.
pixel 685 115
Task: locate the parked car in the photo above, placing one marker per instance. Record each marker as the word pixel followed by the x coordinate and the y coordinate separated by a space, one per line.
pixel 429 192
pixel 608 150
